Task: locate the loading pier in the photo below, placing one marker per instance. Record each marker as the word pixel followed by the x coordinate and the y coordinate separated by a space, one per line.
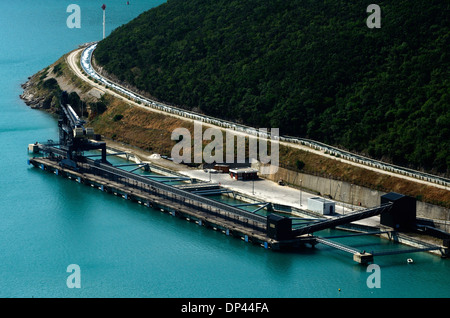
pixel 163 197
pixel 191 201
pixel 272 231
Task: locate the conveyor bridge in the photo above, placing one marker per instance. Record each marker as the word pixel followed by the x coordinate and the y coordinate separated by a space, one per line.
pixel 280 228
pixel 331 223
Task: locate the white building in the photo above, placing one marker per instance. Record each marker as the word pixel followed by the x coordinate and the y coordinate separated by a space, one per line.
pixel 244 174
pixel 321 205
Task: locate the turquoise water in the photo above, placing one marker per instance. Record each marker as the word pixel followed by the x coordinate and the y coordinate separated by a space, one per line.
pixel 127 250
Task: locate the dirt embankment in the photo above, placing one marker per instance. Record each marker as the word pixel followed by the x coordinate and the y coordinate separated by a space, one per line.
pixel 151 131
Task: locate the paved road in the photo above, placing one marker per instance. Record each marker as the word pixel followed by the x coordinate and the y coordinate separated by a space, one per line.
pixel 72 60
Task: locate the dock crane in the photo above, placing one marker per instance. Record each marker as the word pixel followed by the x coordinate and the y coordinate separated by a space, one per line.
pixel 74 137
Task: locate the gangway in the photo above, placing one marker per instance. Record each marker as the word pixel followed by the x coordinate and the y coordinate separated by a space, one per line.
pixel 336 245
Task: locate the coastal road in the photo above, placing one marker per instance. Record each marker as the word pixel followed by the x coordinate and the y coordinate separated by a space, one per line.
pixel 74 56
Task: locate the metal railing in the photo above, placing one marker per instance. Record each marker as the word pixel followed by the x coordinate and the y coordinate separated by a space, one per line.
pixel 342 220
pixel 86 57
pixel 168 192
pixel 137 181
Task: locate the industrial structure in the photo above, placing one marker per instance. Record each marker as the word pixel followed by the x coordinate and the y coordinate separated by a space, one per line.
pixel 321 205
pixel 86 57
pixel 191 201
pixel 74 138
pixel 244 173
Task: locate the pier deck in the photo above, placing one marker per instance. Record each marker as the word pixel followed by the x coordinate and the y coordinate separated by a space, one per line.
pixel 202 214
pixel 228 219
pixel 191 201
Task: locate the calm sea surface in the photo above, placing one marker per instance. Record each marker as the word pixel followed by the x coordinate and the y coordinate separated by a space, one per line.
pixel 124 249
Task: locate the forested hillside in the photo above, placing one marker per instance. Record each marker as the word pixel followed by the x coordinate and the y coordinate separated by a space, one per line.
pixel 312 68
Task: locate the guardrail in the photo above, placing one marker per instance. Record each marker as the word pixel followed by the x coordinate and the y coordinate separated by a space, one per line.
pixel 86 64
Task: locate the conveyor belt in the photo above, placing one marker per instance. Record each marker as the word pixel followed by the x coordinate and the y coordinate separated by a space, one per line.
pixel 342 220
pixel 165 187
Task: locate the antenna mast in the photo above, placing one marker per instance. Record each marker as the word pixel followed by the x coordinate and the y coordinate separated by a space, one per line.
pixel 104 13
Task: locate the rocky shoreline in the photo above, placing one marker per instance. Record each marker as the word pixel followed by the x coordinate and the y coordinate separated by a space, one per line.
pixel 29 95
pixel 42 90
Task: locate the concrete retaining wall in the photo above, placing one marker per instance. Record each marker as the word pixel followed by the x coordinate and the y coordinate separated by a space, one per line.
pixel 353 194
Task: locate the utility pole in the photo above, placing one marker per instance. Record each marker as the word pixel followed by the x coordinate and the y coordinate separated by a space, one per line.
pixel 330 186
pixel 104 14
pixel 301 193
pixel 351 194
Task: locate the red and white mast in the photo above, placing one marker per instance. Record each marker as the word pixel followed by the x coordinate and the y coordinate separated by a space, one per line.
pixel 104 13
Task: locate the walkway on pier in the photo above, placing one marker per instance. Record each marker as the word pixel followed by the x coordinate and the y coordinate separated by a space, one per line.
pixel 157 198
pixel 338 246
pixel 134 180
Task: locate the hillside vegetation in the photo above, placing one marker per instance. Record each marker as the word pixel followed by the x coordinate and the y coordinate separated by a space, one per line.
pixel 150 131
pixel 312 68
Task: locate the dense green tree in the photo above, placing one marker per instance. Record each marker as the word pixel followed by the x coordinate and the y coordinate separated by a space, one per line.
pixel 312 68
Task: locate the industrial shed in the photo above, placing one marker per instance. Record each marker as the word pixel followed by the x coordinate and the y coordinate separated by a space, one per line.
pixel 244 174
pixel 321 205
